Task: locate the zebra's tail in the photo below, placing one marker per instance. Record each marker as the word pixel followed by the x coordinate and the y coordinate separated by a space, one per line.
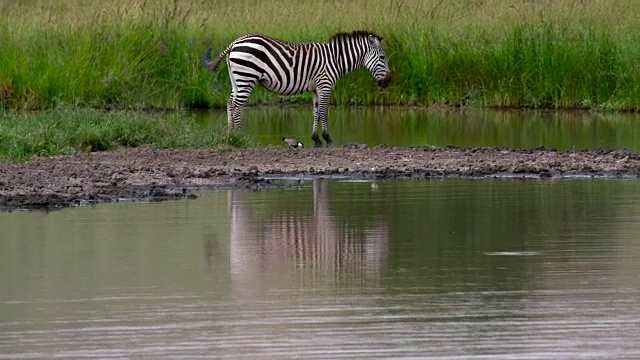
pixel 212 64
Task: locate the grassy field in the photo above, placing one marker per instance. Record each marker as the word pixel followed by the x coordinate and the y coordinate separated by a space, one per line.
pixel 66 131
pixel 499 53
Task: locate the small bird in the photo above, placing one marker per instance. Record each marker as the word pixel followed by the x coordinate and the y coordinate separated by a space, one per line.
pixel 293 143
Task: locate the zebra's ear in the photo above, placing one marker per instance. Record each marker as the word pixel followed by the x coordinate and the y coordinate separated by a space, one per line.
pixel 374 40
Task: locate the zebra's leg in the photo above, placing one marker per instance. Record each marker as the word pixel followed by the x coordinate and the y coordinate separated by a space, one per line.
pixel 231 107
pixel 314 133
pixel 242 85
pixel 323 114
pixel 230 112
pixel 236 103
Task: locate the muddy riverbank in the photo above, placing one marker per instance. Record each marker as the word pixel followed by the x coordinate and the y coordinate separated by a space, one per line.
pixel 152 174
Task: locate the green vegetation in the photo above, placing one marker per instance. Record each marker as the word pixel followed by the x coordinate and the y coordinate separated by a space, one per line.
pixel 68 131
pixel 146 54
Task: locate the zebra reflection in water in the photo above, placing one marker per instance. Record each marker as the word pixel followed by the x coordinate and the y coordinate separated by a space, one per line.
pixel 311 249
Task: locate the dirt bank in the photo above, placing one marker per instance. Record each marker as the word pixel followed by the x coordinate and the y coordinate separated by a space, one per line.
pixel 146 173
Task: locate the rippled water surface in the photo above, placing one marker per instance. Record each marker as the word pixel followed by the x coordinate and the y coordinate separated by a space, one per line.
pixel 466 128
pixel 437 269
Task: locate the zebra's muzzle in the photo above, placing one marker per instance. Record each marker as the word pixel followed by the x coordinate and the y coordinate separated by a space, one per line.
pixel 385 81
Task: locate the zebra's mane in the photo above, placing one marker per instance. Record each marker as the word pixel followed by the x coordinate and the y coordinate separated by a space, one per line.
pixel 354 34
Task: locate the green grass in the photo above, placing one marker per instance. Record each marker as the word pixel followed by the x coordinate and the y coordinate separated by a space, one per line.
pixel 24 135
pixel 500 53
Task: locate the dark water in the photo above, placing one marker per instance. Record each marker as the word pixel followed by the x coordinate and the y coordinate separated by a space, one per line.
pixel 467 128
pixel 446 269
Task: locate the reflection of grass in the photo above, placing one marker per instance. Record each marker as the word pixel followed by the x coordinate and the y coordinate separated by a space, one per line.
pixel 399 126
pixel 496 53
pixel 67 131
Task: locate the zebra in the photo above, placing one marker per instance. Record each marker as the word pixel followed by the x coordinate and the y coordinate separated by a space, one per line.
pixel 289 68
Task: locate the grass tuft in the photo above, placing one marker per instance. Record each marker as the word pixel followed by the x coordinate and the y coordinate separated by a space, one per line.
pixel 65 131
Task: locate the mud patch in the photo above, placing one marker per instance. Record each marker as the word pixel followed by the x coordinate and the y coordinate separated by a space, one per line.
pixel 150 174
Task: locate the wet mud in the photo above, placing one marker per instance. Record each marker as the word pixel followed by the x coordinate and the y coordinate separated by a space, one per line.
pixel 152 174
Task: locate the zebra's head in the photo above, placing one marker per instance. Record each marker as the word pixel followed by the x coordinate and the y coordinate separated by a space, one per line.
pixel 375 60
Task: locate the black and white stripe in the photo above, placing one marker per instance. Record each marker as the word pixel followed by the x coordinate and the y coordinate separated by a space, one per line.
pixel 293 68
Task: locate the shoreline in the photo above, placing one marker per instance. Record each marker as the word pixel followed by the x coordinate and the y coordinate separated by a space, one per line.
pixel 150 174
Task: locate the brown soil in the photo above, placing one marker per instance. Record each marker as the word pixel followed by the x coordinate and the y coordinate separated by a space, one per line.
pixel 147 173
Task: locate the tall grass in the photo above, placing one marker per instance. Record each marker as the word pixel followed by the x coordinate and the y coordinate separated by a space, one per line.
pixel 61 131
pixel 500 53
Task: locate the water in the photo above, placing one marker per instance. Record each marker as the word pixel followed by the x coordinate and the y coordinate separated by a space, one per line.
pixel 445 269
pixel 468 128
